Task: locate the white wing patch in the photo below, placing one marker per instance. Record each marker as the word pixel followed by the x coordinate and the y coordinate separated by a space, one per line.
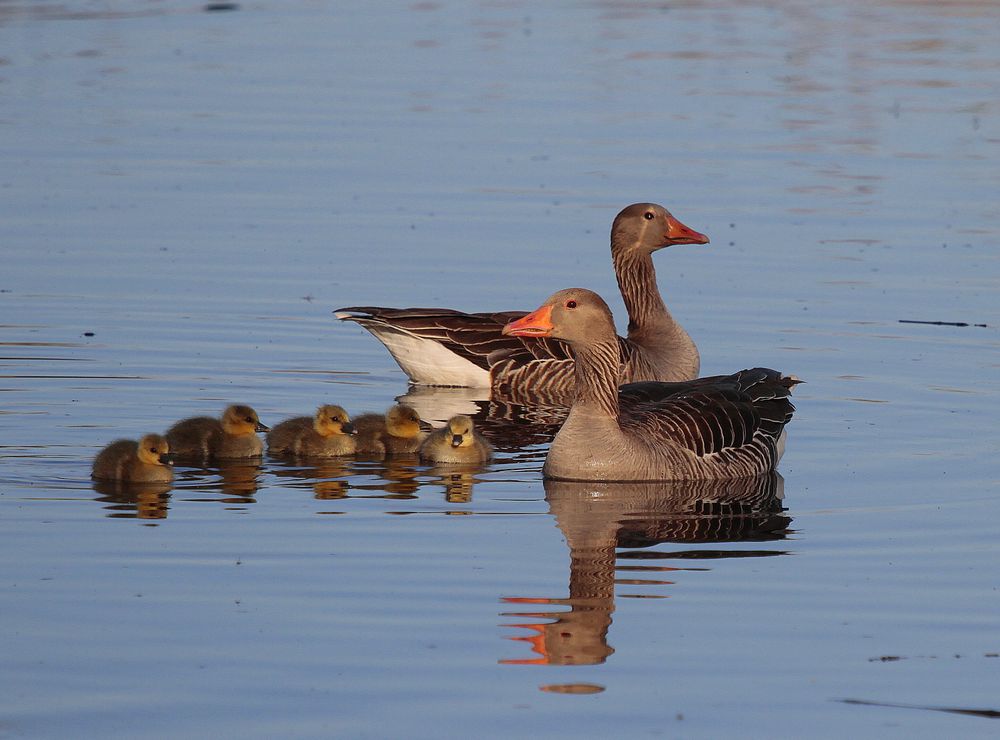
pixel 426 361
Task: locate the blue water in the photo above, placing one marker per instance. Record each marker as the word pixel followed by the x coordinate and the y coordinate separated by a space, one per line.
pixel 186 197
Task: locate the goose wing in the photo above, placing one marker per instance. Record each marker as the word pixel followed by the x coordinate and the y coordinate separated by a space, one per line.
pixel 476 337
pixel 709 415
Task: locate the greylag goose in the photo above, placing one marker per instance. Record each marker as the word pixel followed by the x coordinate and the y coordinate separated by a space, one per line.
pixel 438 346
pixel 456 442
pixel 232 436
pixel 710 428
pixel 328 433
pixel 397 432
pixel 146 461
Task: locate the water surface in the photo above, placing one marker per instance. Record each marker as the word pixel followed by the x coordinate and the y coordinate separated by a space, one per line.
pixel 187 195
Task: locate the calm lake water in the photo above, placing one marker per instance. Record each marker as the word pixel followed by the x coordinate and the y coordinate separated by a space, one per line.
pixel 187 195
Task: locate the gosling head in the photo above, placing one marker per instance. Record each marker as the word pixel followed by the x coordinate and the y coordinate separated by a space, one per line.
pixel 646 227
pixel 460 430
pixel 241 420
pixel 402 421
pixel 154 450
pixel 331 420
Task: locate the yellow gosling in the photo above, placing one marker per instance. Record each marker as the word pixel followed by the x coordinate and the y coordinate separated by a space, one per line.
pixel 398 432
pixel 328 433
pixel 231 437
pixel 456 442
pixel 146 461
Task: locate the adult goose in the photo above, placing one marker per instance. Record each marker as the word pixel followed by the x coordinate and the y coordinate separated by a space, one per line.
pixel 711 428
pixel 439 346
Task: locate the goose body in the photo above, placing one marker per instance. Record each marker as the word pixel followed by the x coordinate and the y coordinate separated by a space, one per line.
pixel 146 461
pixel 437 346
pixel 232 436
pixel 328 433
pixel 397 432
pixel 710 428
pixel 456 442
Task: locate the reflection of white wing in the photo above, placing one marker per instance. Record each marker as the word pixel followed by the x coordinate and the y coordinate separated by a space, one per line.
pixel 437 405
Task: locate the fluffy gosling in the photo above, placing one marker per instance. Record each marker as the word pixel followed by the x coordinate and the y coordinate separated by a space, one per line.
pixel 456 442
pixel 231 437
pixel 328 433
pixel 146 461
pixel 397 432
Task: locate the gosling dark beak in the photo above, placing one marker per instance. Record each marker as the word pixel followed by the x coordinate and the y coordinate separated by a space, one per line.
pixel 456 440
pixel 425 426
pixel 167 458
pixel 262 427
pixel 348 428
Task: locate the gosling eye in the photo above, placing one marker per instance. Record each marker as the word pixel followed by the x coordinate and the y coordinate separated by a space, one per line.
pixel 152 449
pixel 648 215
pixel 250 420
pixel 570 304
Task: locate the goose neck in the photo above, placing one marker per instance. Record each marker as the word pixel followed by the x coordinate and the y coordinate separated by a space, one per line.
pixel 637 282
pixel 597 370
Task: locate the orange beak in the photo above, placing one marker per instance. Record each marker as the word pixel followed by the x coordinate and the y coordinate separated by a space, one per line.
pixel 538 323
pixel 678 233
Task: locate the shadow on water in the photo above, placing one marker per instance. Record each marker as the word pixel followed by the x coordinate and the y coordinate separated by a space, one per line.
pixel 598 518
pixel 985 713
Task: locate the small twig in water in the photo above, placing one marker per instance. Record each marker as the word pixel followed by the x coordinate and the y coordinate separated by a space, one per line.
pixel 940 323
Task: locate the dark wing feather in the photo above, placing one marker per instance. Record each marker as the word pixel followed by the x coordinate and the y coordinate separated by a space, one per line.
pixel 476 337
pixel 709 415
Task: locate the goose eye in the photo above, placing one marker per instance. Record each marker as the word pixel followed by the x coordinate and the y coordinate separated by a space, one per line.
pixel 570 304
pixel 648 215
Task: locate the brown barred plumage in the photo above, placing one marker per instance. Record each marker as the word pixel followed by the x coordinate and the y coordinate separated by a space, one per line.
pixel 438 346
pixel 711 428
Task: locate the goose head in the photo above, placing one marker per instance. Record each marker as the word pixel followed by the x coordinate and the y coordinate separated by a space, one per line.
pixel 331 420
pixel 460 431
pixel 575 315
pixel 241 420
pixel 646 227
pixel 402 421
pixel 154 450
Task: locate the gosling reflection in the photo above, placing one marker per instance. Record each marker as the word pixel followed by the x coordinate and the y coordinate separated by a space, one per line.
pixel 597 518
pixel 134 500
pixel 236 479
pixel 325 476
pixel 458 481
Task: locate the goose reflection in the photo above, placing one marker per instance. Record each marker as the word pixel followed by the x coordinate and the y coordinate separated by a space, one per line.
pixel 598 518
pixel 510 424
pixel 125 500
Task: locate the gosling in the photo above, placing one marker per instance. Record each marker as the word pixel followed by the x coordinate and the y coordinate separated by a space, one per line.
pixel 397 432
pixel 231 437
pixel 456 442
pixel 326 434
pixel 146 461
